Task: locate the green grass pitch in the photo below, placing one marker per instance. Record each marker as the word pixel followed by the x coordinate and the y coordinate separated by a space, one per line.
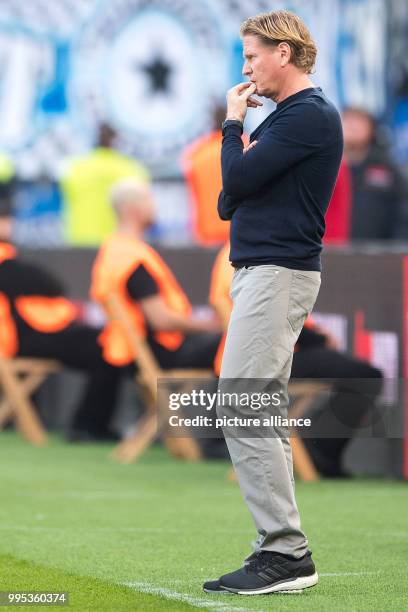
pixel 145 536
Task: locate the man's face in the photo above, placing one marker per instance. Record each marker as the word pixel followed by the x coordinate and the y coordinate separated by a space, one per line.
pixel 357 130
pixel 263 66
pixel 6 224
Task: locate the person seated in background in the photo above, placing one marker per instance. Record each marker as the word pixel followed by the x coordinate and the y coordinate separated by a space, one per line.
pixel 135 273
pixel 85 186
pixel 132 270
pixel 356 383
pixel 37 320
pixel 378 188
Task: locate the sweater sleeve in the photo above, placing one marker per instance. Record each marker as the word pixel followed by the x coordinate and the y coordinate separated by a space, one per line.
pixel 226 206
pixel 290 139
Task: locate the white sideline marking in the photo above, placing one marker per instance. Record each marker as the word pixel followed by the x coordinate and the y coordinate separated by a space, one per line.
pixel 371 534
pixel 110 495
pixel 111 529
pixel 89 530
pixel 394 534
pixel 331 574
pixel 219 606
pixel 92 495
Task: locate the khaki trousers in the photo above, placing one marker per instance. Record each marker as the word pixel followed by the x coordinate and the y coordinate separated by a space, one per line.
pixel 270 305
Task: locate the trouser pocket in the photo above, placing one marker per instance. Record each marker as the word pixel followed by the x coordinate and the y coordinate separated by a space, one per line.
pixel 303 293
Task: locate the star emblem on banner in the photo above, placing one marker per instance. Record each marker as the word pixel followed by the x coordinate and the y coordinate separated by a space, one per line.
pixel 158 71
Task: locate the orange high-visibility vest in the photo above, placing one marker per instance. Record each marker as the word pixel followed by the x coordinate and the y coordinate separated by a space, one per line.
pixel 221 278
pixel 8 332
pixel 202 168
pixel 7 251
pixel 219 355
pixel 117 259
pixel 44 314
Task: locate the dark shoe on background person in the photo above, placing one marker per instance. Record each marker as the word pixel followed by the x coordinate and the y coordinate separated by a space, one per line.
pixel 79 435
pixel 214 448
pixel 268 572
pixel 327 466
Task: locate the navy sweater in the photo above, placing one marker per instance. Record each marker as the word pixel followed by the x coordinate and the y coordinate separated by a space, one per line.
pixel 276 195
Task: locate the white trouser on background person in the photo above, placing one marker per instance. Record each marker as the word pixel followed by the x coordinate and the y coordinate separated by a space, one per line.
pixel 270 305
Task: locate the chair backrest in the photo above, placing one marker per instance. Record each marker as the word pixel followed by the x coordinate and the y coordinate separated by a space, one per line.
pixel 148 368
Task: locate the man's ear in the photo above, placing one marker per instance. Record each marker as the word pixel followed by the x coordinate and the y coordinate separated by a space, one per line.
pixel 285 53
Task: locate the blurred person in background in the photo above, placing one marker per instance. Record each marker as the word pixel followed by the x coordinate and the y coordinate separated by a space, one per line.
pixel 338 214
pixel 7 187
pixel 379 190
pixel 37 320
pixel 356 383
pixel 202 170
pixel 85 185
pixel 134 272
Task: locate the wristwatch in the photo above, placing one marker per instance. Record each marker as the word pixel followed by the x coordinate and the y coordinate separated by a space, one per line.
pixel 229 122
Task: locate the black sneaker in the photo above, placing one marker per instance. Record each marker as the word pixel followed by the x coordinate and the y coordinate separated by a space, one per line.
pixel 214 586
pixel 268 572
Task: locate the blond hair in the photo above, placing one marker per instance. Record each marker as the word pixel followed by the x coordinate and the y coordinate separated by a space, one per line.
pixel 283 26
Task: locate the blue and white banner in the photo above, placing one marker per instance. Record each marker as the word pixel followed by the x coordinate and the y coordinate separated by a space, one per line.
pixel 155 68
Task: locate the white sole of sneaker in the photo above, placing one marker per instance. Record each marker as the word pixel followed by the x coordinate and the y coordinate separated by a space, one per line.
pixel 291 586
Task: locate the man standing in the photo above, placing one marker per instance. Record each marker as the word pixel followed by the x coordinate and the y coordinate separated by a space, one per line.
pixel 379 189
pixel 86 184
pixel 276 192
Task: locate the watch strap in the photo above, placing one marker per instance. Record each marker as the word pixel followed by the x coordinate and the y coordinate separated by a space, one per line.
pixel 231 122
